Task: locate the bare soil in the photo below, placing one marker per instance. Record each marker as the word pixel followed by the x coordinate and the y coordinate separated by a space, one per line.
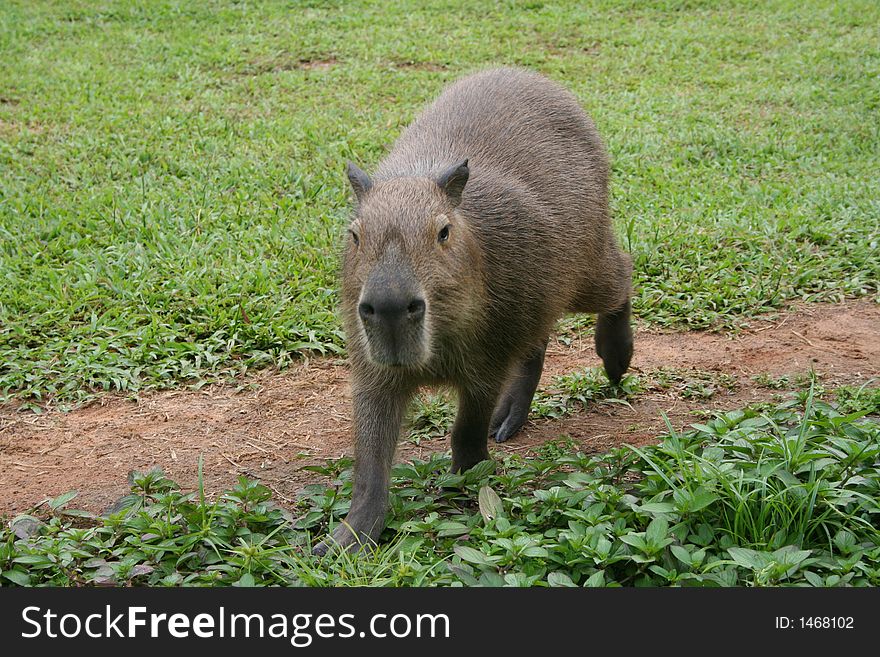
pixel 272 424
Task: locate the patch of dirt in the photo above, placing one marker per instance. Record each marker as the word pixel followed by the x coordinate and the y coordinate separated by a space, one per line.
pixel 273 424
pixel 12 128
pixel 312 64
pixel 419 66
pixel 284 62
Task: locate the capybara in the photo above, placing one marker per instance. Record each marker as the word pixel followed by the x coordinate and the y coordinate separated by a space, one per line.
pixel 486 223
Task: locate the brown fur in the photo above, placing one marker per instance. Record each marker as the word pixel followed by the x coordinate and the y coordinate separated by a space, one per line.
pixel 529 241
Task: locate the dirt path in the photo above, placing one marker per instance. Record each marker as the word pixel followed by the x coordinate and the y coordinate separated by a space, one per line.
pixel 273 424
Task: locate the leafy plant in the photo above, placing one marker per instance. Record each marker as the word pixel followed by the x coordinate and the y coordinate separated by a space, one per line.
pixel 782 495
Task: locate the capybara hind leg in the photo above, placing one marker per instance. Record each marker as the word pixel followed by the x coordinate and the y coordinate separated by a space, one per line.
pixel 614 341
pixel 513 406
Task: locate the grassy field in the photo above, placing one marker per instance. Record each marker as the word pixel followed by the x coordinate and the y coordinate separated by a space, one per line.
pixel 172 194
pixel 172 203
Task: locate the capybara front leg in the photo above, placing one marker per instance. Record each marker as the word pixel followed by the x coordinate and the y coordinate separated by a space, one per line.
pixel 470 432
pixel 378 415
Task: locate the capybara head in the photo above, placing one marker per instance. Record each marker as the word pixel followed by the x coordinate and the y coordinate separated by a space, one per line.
pixel 411 271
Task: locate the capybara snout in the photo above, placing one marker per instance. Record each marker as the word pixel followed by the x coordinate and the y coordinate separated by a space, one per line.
pixel 392 312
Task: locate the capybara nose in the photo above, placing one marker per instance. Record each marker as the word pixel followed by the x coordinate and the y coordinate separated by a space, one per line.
pixel 390 311
pixel 416 309
pixel 366 311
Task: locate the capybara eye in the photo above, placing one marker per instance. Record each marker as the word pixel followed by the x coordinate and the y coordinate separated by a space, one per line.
pixel 443 235
pixel 355 238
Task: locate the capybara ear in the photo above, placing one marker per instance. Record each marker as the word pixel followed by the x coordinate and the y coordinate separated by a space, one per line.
pixel 360 181
pixel 453 180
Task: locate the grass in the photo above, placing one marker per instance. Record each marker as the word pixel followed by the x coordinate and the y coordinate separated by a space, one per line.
pixel 433 412
pixel 171 190
pixel 785 495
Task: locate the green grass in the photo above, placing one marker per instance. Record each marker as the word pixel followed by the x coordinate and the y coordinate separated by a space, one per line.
pixel 172 196
pixel 781 495
pixel 433 412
